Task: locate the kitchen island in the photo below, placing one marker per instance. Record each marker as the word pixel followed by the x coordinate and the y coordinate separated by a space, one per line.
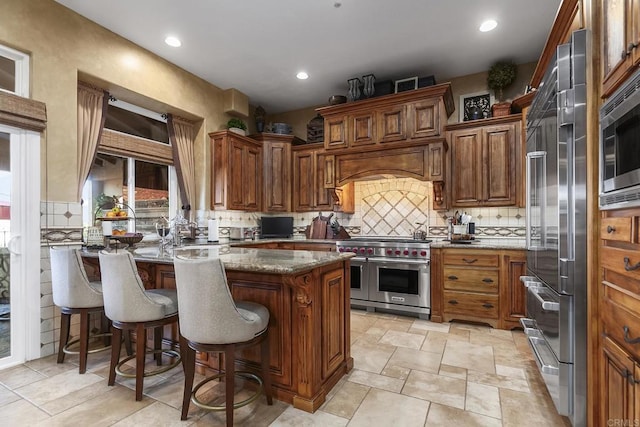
pixel 307 294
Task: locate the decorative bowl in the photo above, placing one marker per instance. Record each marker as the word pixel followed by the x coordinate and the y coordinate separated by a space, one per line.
pixel 337 99
pixel 129 239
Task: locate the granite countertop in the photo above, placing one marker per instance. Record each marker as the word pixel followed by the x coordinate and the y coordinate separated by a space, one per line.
pixel 482 244
pixel 278 261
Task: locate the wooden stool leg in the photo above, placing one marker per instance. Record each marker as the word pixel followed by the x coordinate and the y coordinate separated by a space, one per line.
pixel 157 344
pixel 265 354
pixel 65 321
pixel 105 326
pixel 189 365
pixel 84 339
pixel 115 353
pixel 229 378
pixel 141 338
pixel 127 342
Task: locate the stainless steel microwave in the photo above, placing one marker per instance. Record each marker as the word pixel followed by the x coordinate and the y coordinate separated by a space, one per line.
pixel 620 147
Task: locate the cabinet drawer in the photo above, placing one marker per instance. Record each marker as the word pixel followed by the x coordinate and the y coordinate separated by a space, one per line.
pixel 471 258
pixel 619 320
pixel 619 229
pixel 471 279
pixel 622 261
pixel 471 304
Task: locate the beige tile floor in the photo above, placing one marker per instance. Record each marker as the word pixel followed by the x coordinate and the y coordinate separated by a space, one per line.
pixel 407 372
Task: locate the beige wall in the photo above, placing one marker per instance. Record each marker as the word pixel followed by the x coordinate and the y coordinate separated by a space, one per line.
pixel 63 45
pixel 459 86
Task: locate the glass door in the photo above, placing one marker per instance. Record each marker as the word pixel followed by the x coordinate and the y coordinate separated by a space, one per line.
pixel 19 242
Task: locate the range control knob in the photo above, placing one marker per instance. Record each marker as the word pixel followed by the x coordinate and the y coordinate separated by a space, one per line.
pixel 340 249
pixel 370 251
pixel 397 252
pixel 355 250
pixel 423 253
pixel 414 253
pixel 362 250
pixel 389 251
pixel 406 252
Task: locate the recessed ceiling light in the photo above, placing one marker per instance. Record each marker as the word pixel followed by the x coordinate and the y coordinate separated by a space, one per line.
pixel 302 75
pixel 173 41
pixel 488 25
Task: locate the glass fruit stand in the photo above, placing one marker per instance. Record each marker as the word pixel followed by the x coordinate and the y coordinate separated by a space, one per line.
pixel 114 217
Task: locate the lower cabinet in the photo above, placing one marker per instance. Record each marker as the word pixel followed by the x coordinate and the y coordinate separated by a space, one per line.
pixel 620 378
pixel 479 285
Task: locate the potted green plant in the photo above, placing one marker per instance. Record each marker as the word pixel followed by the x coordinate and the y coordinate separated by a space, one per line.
pixel 501 75
pixel 237 125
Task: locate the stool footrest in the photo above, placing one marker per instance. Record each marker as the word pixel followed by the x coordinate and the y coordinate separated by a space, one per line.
pixel 166 368
pixel 243 374
pixel 66 348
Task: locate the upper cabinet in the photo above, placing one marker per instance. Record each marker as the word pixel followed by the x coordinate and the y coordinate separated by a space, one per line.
pixel 277 178
pixel 485 155
pixel 309 192
pixel 621 35
pixel 236 179
pixel 410 117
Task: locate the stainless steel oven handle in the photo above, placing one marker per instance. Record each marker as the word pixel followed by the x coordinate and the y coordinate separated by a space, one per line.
pixel 392 261
pixel 546 305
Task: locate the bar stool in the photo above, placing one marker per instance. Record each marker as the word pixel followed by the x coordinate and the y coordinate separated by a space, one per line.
pixel 74 294
pixel 204 298
pixel 132 308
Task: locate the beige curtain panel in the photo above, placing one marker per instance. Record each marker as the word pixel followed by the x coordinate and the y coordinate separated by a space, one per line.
pixel 182 139
pixel 92 112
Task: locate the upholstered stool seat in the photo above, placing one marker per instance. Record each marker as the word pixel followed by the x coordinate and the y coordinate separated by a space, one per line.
pixel 132 308
pixel 73 293
pixel 210 321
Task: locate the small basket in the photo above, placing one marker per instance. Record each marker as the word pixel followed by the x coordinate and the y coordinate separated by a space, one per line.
pixel 129 239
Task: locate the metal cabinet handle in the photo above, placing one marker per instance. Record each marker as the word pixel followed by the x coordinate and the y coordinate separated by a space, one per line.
pixel 452 277
pixel 487 280
pixel 452 301
pixel 628 266
pixel 627 338
pixel 630 377
pixel 487 305
pixel 630 48
pixel 610 229
pixel 470 261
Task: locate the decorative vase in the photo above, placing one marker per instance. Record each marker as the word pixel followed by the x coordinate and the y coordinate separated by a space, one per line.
pixel 260 126
pixel 354 89
pixel 369 81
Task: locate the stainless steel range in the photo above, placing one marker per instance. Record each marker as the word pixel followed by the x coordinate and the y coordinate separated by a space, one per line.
pixel 390 273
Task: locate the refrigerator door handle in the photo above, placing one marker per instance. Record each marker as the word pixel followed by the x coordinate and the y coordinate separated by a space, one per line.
pixel 545 304
pixel 539 187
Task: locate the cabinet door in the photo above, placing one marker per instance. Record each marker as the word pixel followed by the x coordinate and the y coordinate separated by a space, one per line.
pixel 303 182
pixel 436 161
pixel 423 119
pixel 219 163
pixel 335 132
pixel 392 123
pixel 466 158
pixel 322 197
pixel 277 176
pixel 498 162
pixel 620 401
pixel 235 197
pixel 252 178
pixel 361 129
pixel 619 35
pixel 512 293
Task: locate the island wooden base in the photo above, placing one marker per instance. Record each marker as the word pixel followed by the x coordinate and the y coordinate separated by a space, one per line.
pixel 309 326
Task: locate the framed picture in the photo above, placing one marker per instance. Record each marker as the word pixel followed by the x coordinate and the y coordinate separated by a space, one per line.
pixel 483 100
pixel 406 84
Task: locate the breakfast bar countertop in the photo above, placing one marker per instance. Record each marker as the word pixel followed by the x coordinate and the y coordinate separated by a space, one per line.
pixel 487 243
pixel 276 261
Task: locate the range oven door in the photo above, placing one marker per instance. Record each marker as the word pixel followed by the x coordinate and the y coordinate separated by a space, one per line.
pixel 359 279
pixel 402 282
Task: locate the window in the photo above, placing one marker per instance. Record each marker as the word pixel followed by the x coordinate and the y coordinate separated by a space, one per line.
pixel 14 71
pixel 148 190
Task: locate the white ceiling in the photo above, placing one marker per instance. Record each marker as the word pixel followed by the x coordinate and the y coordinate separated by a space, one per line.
pixel 258 46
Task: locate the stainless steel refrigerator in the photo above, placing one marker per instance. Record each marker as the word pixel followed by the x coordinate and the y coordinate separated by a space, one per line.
pixel 556 323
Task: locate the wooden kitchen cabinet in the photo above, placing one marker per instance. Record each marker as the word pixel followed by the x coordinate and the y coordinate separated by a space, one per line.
pixel 309 192
pixel 618 326
pixel 621 35
pixel 478 285
pixel 485 155
pixel 236 179
pixel 396 120
pixel 277 176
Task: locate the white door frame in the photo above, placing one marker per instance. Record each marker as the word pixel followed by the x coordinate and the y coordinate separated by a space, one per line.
pixel 24 246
